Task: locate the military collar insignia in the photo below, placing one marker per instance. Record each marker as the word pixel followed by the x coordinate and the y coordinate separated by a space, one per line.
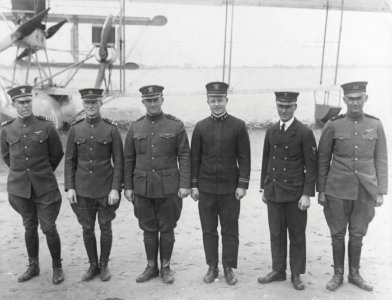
pixel 219 118
pixel 4 123
pixel 37 132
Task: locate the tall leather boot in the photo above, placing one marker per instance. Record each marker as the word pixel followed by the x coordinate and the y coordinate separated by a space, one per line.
pixel 166 250
pixel 58 274
pixel 106 246
pixel 32 270
pixel 354 258
pixel 90 244
pixel 151 246
pixel 338 250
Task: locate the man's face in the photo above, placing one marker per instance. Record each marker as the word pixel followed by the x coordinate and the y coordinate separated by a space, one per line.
pixel 23 106
pixel 355 103
pixel 153 105
pixel 92 107
pixel 217 104
pixel 286 111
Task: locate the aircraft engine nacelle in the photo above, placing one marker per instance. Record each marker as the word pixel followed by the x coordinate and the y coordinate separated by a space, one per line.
pixel 35 41
pixel 111 55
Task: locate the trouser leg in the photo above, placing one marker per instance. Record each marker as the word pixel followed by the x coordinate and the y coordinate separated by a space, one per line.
pixel 208 212
pixel 229 211
pixel 296 224
pixel 278 235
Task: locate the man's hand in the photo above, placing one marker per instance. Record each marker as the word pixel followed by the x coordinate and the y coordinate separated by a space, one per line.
pixel 321 198
pixel 114 197
pixel 262 196
pixel 195 194
pixel 304 202
pixel 240 193
pixel 182 192
pixel 379 200
pixel 129 195
pixel 71 196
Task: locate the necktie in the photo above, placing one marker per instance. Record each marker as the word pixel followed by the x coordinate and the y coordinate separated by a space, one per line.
pixel 282 128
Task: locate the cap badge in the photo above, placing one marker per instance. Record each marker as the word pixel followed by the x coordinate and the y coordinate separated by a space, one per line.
pixel 151 89
pixel 90 92
pixel 23 90
pixel 216 86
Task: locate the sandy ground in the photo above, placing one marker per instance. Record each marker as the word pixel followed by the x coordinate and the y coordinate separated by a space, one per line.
pixel 128 258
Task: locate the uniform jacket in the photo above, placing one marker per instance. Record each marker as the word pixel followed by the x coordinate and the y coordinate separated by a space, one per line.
pixel 358 151
pixel 157 156
pixel 289 166
pixel 32 148
pixel 220 155
pixel 93 158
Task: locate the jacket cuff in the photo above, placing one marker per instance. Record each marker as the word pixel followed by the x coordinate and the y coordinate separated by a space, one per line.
pixel 308 189
pixel 243 183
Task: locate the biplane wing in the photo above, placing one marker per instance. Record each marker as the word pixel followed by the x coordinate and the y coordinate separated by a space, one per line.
pixel 349 5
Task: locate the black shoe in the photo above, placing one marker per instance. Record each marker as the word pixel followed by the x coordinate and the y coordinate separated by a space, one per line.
pixel 58 274
pixel 104 272
pixel 32 270
pixel 272 276
pixel 297 282
pixel 357 280
pixel 91 272
pixel 167 275
pixel 230 276
pixel 336 280
pixel 149 272
pixel 211 274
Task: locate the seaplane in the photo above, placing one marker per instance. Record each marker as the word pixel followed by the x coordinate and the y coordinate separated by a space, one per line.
pixel 325 94
pixel 29 35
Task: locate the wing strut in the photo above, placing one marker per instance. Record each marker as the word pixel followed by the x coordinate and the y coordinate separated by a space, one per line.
pixel 230 44
pixel 340 36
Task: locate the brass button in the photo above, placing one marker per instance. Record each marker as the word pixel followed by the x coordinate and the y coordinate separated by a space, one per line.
pixel 273 180
pixel 152 146
pixel 27 158
pixel 28 170
pixel 26 147
pixel 91 149
pixel 284 169
pixel 355 122
pixel 91 137
pixel 356 133
pixel 24 125
pixel 152 133
pixel 153 170
pixel 274 157
pixel 285 181
pixel 273 169
pixel 275 146
pixel 152 122
pixel 153 158
pixel 92 125
pixel 356 158
pixel 91 161
pixel 356 172
pixel 91 172
pixel 356 147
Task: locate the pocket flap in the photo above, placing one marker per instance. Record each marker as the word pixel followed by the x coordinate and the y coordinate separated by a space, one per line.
pixel 79 140
pixel 139 173
pixel 167 135
pixel 342 136
pixel 370 135
pixel 39 137
pixel 140 137
pixel 169 172
pixel 11 140
pixel 104 141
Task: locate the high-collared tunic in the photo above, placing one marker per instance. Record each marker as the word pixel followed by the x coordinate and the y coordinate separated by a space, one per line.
pixel 157 156
pixel 353 153
pixel 93 158
pixel 32 149
pixel 221 156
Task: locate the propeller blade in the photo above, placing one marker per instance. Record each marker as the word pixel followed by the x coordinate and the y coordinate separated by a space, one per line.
pixel 53 29
pixel 6 42
pixel 25 53
pixel 101 75
pixel 107 26
pixel 29 26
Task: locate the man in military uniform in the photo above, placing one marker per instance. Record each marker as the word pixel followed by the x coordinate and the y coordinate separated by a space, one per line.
pixel 288 176
pixel 93 178
pixel 31 148
pixel 156 178
pixel 220 177
pixel 352 179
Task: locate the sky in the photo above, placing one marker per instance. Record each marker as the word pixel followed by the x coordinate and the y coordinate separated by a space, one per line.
pixel 262 36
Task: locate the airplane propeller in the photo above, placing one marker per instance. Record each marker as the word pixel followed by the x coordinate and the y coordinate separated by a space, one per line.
pixel 106 55
pixel 51 31
pixel 23 30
